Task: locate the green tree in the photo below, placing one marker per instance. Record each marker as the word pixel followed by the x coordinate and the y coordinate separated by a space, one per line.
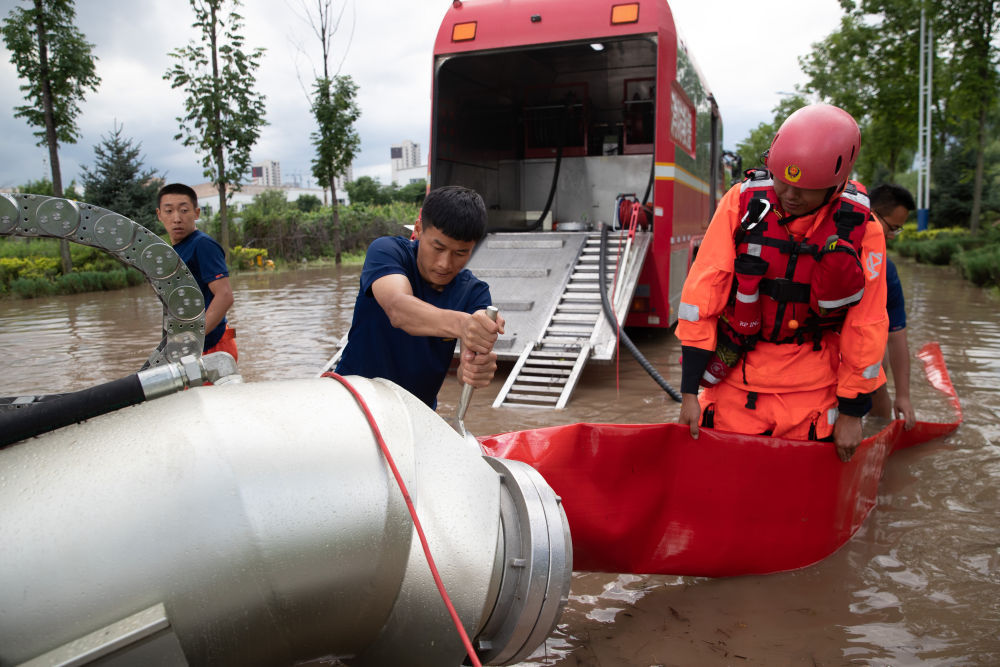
pixel 970 28
pixel 868 68
pixel 55 59
pixel 119 183
pixel 308 203
pixel 334 107
pixel 43 186
pixel 335 139
pixel 951 196
pixel 365 190
pixel 224 113
pixel 412 193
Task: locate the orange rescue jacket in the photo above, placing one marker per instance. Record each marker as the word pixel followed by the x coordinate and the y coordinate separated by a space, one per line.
pixel 851 358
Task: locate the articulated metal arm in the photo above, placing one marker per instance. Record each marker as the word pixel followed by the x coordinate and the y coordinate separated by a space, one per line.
pixel 133 245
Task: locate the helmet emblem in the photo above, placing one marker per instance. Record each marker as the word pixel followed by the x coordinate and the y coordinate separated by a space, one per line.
pixel 793 173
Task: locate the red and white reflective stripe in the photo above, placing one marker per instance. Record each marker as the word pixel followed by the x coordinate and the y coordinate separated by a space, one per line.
pixel 747 298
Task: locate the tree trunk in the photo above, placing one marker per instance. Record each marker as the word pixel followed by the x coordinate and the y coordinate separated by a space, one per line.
pixel 977 187
pixel 893 158
pixel 220 156
pixel 51 137
pixel 223 217
pixel 336 221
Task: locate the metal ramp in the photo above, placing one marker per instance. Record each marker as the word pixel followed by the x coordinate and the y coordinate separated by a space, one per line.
pixel 575 330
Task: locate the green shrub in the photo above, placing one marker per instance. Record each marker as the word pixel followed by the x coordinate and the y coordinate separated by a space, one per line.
pixel 97 281
pixel 12 268
pixel 30 288
pixel 292 235
pixel 247 258
pixel 981 265
pixel 937 248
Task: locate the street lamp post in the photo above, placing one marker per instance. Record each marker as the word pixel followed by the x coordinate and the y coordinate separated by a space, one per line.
pixel 924 121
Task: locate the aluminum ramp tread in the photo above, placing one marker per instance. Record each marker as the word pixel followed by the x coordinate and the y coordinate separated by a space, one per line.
pixel 546 373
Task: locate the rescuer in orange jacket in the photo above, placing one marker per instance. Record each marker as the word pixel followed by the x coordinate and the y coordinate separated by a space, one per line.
pixel 782 317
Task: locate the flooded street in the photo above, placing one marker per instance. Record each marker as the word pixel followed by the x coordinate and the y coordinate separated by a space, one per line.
pixel 918 585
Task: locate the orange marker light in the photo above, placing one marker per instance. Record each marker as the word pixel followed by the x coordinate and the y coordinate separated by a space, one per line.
pixel 625 13
pixel 463 32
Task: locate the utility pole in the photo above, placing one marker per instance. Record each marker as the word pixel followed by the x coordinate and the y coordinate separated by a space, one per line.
pixel 924 121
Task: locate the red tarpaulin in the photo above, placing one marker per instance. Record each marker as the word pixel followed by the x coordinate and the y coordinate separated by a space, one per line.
pixel 647 498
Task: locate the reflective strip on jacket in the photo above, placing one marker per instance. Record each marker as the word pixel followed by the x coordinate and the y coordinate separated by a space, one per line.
pixel 851 359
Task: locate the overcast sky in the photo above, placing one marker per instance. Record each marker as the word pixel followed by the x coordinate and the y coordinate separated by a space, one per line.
pixel 748 53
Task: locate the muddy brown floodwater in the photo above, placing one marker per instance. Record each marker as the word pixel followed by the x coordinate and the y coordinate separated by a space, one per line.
pixel 919 584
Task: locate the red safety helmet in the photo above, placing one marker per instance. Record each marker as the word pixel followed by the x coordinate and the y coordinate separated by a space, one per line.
pixel 815 147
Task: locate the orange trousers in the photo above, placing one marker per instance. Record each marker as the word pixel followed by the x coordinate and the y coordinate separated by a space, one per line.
pixel 797 415
pixel 226 344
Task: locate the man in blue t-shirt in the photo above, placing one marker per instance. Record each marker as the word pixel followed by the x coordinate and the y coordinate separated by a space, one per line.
pixel 417 298
pixel 177 208
pixel 891 206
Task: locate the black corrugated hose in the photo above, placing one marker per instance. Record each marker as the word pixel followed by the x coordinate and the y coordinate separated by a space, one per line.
pixel 41 417
pixel 610 314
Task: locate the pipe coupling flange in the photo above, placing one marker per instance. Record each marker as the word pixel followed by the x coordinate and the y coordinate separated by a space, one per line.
pixel 536 569
pixel 220 368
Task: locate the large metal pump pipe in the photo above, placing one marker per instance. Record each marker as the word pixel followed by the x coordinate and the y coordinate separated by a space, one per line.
pixel 258 524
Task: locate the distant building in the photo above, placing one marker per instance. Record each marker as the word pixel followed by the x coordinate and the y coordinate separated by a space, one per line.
pixel 267 173
pixel 405 156
pixel 412 175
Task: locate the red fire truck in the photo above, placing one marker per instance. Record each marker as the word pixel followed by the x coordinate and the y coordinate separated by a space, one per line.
pixel 563 114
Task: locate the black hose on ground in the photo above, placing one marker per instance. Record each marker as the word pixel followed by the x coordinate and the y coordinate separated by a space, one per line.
pixel 41 417
pixel 649 184
pixel 610 314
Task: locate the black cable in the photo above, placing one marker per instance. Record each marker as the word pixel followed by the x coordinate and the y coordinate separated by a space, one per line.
pixel 41 417
pixel 552 188
pixel 649 184
pixel 610 314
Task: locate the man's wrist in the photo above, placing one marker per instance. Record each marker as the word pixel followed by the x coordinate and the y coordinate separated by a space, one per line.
pixel 855 407
pixel 694 361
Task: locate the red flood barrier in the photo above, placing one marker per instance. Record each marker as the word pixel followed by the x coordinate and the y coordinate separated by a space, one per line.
pixel 647 498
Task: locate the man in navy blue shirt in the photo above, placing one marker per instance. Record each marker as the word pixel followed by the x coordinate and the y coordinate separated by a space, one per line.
pixel 417 298
pixel 177 208
pixel 891 205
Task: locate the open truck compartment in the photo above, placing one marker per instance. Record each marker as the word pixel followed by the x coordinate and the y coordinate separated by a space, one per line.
pixel 504 119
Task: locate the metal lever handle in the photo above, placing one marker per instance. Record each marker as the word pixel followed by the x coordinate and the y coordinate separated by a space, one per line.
pixel 463 402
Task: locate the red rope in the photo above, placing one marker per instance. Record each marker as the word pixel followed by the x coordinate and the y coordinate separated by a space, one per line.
pixel 413 514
